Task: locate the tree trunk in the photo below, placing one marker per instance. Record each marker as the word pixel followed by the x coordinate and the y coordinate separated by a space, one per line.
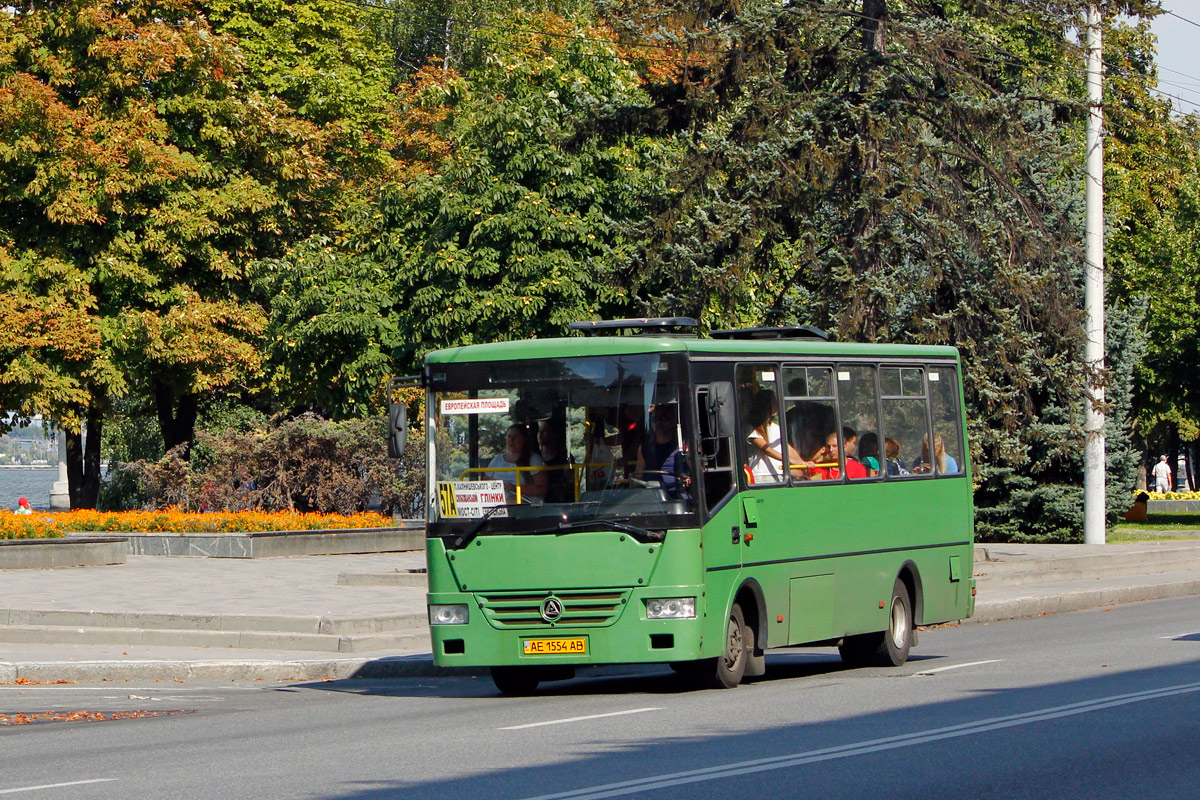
pixel 1193 452
pixel 177 421
pixel 1173 450
pixel 874 13
pixel 83 462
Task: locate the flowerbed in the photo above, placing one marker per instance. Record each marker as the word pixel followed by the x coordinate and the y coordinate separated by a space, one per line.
pixel 14 526
pixel 1172 495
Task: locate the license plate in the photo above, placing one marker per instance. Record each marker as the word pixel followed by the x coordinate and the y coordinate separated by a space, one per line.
pixel 547 647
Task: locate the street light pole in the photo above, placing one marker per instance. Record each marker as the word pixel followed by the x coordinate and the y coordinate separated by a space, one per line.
pixel 1093 466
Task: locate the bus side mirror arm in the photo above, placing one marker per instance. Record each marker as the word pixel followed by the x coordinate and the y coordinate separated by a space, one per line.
pixel 397 435
pixel 721 419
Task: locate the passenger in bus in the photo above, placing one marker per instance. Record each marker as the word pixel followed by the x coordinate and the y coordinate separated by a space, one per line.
pixel 766 442
pixel 632 434
pixel 518 453
pixel 829 455
pixel 868 452
pixel 560 483
pixel 661 459
pixel 945 462
pixel 854 468
pixel 598 457
pixel 892 452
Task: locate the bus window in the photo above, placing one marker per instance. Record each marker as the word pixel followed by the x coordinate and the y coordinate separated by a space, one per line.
pixel 715 457
pixel 947 430
pixel 758 388
pixel 811 420
pixel 858 400
pixel 905 419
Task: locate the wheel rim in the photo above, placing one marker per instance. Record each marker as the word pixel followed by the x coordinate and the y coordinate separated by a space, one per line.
pixel 735 646
pixel 899 623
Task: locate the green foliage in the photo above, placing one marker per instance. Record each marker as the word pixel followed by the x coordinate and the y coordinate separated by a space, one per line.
pixel 331 329
pixel 517 232
pixel 1125 343
pixel 323 59
pixel 1152 177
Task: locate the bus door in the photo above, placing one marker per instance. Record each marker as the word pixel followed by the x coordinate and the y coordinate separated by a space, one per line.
pixel 788 411
pixel 716 461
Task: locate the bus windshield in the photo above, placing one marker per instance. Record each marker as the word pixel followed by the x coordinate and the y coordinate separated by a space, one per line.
pixel 560 444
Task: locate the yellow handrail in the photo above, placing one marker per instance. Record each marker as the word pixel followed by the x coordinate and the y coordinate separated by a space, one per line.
pixel 577 469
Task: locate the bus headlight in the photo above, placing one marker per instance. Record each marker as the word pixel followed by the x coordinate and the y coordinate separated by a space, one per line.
pixel 671 608
pixel 448 615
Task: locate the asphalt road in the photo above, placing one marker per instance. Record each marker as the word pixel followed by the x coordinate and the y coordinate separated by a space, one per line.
pixel 1098 704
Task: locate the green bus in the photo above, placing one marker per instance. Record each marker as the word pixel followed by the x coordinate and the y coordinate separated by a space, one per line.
pixel 638 494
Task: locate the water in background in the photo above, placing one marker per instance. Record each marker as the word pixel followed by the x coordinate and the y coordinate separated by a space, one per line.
pixel 32 483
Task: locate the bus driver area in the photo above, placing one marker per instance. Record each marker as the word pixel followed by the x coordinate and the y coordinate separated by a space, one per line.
pixel 642 495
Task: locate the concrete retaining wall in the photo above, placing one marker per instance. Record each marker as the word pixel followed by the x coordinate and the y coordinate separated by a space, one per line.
pixel 272 544
pixel 92 551
pixel 1157 506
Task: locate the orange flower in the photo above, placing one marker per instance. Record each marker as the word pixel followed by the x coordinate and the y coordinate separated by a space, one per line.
pixel 170 520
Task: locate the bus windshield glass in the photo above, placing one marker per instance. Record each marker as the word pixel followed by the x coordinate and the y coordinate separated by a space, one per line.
pixel 561 444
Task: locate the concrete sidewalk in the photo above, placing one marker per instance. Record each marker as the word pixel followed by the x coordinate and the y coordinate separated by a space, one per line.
pixel 332 617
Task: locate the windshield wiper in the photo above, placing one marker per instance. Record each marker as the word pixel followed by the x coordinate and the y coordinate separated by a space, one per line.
pixel 470 533
pixel 607 525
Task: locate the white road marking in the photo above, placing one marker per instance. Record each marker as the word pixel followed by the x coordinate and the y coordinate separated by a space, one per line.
pixel 959 666
pixel 1179 635
pixel 54 785
pixel 580 719
pixel 655 782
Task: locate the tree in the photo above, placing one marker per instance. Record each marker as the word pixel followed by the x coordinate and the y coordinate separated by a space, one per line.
pixel 332 329
pixel 1152 177
pixel 516 232
pixel 134 153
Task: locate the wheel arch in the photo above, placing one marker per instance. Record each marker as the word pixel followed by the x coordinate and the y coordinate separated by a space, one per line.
pixel 910 575
pixel 751 598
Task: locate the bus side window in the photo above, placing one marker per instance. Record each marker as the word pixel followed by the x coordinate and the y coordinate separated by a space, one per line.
pixel 858 401
pixel 810 419
pixel 949 456
pixel 762 433
pixel 905 420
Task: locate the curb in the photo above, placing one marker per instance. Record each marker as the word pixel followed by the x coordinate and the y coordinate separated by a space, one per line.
pixel 1039 605
pixel 415 666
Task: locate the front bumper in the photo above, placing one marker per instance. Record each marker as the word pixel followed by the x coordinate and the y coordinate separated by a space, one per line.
pixel 629 638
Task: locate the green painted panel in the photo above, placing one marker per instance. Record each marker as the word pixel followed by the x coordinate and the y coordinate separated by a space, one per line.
pixel 558 561
pixel 750 510
pixel 955 568
pixel 810 612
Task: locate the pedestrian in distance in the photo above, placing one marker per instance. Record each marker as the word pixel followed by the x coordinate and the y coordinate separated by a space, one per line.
pixel 1162 476
pixel 23 506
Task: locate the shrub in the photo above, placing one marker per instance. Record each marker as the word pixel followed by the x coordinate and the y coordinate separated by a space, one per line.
pixel 306 464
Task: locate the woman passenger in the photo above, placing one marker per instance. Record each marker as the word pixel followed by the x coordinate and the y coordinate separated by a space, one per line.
pixel 518 453
pixel 766 442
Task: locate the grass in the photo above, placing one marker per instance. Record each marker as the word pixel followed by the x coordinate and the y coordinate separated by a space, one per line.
pixel 1179 523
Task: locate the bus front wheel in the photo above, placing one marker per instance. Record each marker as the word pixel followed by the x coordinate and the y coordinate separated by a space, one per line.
pixel 516 680
pixel 726 670
pixel 888 648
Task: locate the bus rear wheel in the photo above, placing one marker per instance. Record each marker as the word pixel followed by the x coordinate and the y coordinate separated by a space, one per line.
pixel 518 681
pixel 887 648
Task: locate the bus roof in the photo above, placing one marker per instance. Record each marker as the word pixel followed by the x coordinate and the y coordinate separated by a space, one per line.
pixel 625 345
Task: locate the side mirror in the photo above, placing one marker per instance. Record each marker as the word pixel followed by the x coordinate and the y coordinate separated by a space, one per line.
pixel 397 435
pixel 397 429
pixel 721 418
